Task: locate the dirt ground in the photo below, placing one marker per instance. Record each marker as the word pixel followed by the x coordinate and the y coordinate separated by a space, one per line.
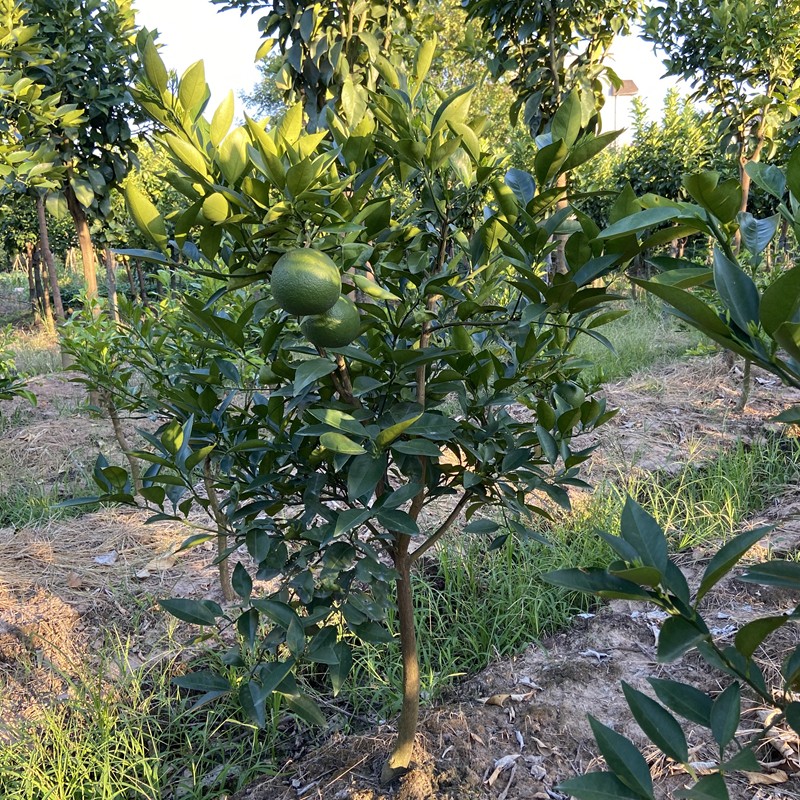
pixel 515 730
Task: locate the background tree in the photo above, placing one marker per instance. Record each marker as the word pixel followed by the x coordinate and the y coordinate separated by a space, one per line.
pixel 87 63
pixel 742 57
pixel 550 47
pixel 331 53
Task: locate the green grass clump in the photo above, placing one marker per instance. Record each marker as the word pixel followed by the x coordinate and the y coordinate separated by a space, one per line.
pixel 475 605
pixel 709 501
pixel 130 736
pixel 644 337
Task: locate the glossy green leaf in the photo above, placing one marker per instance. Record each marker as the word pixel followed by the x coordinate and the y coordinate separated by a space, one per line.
pixel 310 371
pixel 677 637
pixel 780 301
pixel 737 290
pixel 644 534
pixel 689 702
pixel 659 725
pixel 145 215
pixel 725 713
pixel 709 787
pixel 774 573
pixel 339 443
pixel 598 786
pixel 596 581
pixel 728 556
pixel 203 681
pixel 196 612
pixel 623 758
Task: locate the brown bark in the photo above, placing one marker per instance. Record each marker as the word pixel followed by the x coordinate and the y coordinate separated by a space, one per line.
pixel 111 283
pixel 222 533
pixel 78 214
pixel 142 283
pixel 131 284
pixel 122 441
pixel 47 254
pixel 29 269
pixel 400 757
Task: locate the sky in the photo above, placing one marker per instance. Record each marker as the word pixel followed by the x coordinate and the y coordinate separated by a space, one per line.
pixel 191 30
pixel 194 29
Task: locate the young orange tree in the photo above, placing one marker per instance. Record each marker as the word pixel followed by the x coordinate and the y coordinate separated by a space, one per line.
pixel 414 367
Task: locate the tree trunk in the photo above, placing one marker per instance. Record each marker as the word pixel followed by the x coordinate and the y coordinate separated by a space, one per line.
pixel 29 269
pixel 142 283
pixel 87 248
pixel 47 253
pixel 111 282
pixel 131 284
pixel 400 757
pixel 222 533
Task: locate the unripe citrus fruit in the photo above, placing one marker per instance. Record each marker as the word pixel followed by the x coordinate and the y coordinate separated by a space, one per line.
pixel 216 208
pixel 572 393
pixel 336 327
pixel 305 281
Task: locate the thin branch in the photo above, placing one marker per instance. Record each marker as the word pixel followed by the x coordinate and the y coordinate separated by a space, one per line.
pixel 441 530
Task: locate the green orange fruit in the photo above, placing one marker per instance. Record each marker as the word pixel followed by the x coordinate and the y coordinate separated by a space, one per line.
pixel 305 281
pixel 336 327
pixel 216 208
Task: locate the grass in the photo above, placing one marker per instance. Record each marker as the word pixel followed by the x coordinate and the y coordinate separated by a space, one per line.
pixel 475 605
pixel 127 734
pixel 644 337
pixel 706 502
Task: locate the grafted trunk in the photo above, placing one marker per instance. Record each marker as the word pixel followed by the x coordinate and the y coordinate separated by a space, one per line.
pixel 400 758
pixel 78 214
pixel 47 254
pixel 111 283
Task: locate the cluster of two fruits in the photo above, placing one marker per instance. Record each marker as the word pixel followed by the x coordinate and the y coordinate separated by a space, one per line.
pixel 307 283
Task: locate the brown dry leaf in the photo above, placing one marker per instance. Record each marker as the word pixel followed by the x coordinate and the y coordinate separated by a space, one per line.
pixel 500 699
pixel 477 739
pixel 161 563
pixel 761 779
pixel 74 581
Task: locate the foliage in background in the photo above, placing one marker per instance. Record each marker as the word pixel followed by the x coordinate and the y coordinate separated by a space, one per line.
pixel 551 49
pixel 741 57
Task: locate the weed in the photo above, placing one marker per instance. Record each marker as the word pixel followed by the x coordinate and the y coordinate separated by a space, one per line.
pixel 644 337
pixel 125 732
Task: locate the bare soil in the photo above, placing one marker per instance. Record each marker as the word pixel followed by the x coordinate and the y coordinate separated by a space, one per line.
pixel 515 730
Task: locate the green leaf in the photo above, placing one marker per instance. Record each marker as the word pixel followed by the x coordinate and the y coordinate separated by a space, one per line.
pixel 196 612
pixel 598 786
pixel 768 177
pixel 623 758
pixel 341 669
pixel 644 534
pixel 723 200
pixel 388 435
pixel 676 637
pixel 154 67
pixel 310 371
pixel 725 713
pixel 566 124
pixel 305 708
pixel 727 557
pixel 750 636
pixel 145 215
pixel 709 787
pixel 363 475
pixel 252 699
pixel 398 521
pixel 641 220
pixel 780 301
pixel 793 173
pixel 757 233
pixel 418 447
pixel 454 109
pixel 339 443
pixel 659 725
pixel 204 681
pixel 222 120
pixel 241 581
pixel 775 573
pixel 689 702
pixel 192 89
pixel 549 160
pixel 737 290
pixel 596 581
pixel 792 714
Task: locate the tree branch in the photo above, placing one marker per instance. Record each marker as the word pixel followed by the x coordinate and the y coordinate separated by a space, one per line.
pixel 441 530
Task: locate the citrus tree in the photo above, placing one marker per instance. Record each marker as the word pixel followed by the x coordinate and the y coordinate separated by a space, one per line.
pixel 405 342
pixel 764 327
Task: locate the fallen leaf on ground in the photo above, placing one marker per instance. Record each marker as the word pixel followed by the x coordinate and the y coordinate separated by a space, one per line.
pixel 74 581
pixel 761 779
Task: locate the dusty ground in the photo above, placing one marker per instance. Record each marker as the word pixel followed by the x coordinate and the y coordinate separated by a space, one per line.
pixel 56 604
